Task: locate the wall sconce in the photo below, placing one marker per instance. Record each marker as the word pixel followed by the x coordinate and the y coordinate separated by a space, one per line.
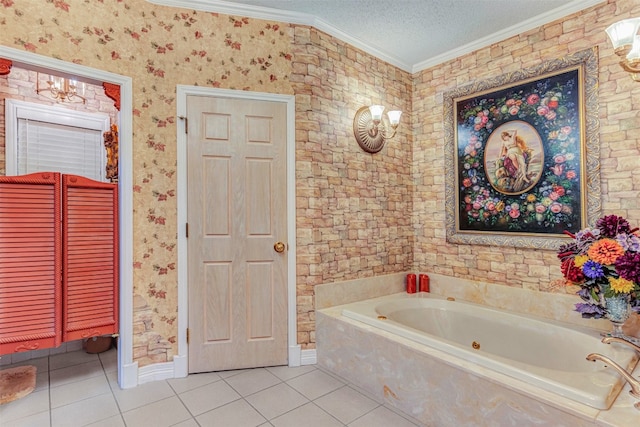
pixel 62 89
pixel 626 43
pixel 372 130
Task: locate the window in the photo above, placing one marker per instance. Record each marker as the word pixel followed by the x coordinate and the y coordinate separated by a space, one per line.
pixel 50 138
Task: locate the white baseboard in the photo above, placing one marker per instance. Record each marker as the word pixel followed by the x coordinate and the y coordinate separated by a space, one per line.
pixel 308 357
pixel 180 366
pixel 128 375
pixel 294 355
pixel 156 372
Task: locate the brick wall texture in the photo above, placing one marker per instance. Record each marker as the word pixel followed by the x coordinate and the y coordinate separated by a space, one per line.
pixel 353 208
pixel 619 102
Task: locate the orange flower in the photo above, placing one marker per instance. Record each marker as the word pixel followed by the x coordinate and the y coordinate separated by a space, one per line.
pixel 605 251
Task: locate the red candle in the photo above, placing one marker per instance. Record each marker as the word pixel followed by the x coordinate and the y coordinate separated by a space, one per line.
pixel 424 283
pixel 411 283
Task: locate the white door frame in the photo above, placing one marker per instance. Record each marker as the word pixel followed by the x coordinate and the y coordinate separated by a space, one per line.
pixel 294 352
pixel 127 368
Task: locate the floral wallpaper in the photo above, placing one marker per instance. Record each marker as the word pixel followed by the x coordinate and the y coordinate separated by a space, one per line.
pixel 159 47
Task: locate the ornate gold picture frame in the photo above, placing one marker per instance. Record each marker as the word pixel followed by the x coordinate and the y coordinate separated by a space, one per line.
pixel 522 155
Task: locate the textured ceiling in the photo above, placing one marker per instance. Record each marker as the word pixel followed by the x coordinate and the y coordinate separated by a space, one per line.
pixel 411 34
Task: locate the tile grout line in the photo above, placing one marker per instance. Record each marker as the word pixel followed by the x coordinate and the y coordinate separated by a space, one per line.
pixel 193 417
pixel 49 389
pixel 106 376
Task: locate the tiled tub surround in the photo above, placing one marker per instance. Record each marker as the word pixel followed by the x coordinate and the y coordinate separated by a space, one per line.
pixel 441 389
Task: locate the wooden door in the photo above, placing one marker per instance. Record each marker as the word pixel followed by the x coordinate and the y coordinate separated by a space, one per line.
pixel 30 262
pixel 90 258
pixel 236 221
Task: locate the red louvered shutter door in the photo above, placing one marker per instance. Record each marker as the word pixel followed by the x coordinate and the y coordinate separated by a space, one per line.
pixel 90 260
pixel 30 260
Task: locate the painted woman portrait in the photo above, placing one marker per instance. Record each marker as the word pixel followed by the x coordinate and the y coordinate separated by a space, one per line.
pixel 513 158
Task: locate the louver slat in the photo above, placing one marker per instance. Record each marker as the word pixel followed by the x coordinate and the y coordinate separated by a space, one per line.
pixel 30 262
pixel 90 247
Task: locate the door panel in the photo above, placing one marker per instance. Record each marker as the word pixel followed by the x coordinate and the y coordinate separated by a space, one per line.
pixel 236 212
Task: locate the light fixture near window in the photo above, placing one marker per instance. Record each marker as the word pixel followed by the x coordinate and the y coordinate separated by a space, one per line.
pixel 62 89
pixel 626 43
pixel 372 129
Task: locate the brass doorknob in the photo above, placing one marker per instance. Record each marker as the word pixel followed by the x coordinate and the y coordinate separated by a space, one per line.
pixel 279 247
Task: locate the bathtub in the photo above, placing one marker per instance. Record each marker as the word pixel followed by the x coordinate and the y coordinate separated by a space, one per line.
pixel 541 353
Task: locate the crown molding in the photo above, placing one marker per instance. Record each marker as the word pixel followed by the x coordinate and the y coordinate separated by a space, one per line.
pixel 269 14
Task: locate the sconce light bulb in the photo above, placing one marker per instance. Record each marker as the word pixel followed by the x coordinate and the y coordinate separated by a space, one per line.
pixel 376 113
pixel 394 117
pixel 634 53
pixel 623 32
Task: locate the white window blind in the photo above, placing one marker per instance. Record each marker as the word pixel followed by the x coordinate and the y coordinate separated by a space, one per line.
pixel 51 138
pixel 59 148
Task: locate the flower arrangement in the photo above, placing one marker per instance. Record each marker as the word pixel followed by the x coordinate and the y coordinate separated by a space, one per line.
pixel 605 262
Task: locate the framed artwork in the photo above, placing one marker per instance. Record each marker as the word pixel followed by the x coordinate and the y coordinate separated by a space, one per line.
pixel 522 155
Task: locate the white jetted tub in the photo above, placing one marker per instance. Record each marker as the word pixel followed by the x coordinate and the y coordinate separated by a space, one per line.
pixel 540 352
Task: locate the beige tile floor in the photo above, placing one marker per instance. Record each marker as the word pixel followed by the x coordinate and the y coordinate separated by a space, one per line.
pixel 80 389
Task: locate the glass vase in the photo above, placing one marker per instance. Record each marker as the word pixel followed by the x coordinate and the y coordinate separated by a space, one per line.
pixel 618 311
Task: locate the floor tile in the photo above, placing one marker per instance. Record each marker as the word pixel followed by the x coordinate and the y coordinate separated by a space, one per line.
pixel 75 373
pixel 83 391
pixel 208 397
pixel 236 414
pixel 193 381
pixel 41 363
pixel 188 423
pixel 36 402
pixel 163 413
pixel 141 395
pixel 252 381
pixel 286 373
pixel 382 417
pixel 109 360
pixel 42 380
pixel 20 359
pixel 65 360
pixel 79 390
pixel 275 401
pixel 346 404
pixel 308 415
pixel 315 384
pixel 227 374
pixel 85 412
pixel 41 419
pixel 115 421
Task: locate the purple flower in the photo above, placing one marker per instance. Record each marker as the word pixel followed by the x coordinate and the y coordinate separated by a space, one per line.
pixel 590 310
pixel 629 242
pixel 628 266
pixel 592 270
pixel 612 225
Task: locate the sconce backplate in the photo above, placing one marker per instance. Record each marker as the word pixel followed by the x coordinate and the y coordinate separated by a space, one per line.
pixel 362 124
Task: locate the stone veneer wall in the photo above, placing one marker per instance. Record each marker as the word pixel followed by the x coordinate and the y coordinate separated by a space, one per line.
pixel 353 208
pixel 619 99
